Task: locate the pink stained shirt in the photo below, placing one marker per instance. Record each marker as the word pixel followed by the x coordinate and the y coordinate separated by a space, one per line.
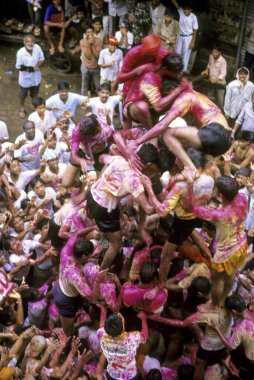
pixel 139 88
pixel 94 142
pixel 244 334
pixel 71 279
pixel 135 297
pixel 135 58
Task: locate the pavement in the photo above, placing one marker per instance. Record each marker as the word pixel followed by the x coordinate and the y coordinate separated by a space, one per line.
pixel 9 88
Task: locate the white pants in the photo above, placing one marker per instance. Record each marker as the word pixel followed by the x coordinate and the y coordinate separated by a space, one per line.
pixel 182 48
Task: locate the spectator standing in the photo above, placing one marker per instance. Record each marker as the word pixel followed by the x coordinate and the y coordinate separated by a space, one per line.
pixel 28 62
pixel 157 11
pixel 116 8
pixel 98 30
pixel 90 50
pixel 139 18
pixel 109 60
pixel 238 92
pixel 245 120
pixel 4 134
pixel 249 55
pixel 34 10
pixel 216 71
pixel 42 118
pixel 168 30
pixel 124 37
pixel 188 24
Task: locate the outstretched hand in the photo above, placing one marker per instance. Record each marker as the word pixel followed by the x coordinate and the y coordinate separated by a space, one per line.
pixel 189 175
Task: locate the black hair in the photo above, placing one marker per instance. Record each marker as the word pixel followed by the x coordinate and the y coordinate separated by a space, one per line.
pixel 245 172
pixel 24 203
pixel 35 181
pixel 216 47
pixel 155 255
pixel 173 62
pixel 82 247
pixel 154 374
pixel 88 26
pixel 63 85
pixel 169 12
pixel 165 159
pixel 148 273
pixel 185 371
pixel 147 153
pixel 97 19
pixel 89 125
pixel 105 86
pixel 227 186
pixel 235 302
pixel 38 101
pixel 200 284
pixel 41 223
pixel 46 135
pixel 243 70
pixel 197 157
pixel 80 8
pixel 169 84
pixel 27 122
pixel 7 242
pixel 114 325
pixel 245 136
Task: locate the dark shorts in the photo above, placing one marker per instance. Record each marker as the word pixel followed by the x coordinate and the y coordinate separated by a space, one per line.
pixel 67 306
pixel 156 184
pixel 24 91
pixel 105 221
pixel 181 229
pixel 212 357
pixel 215 139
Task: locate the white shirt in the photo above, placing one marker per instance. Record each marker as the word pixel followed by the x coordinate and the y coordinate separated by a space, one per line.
pixel 42 125
pixel 110 73
pixel 4 135
pixel 187 24
pixel 24 178
pixel 49 192
pixel 71 104
pixel 28 246
pixel 236 96
pixel 156 15
pixel 27 79
pixel 97 107
pixel 117 8
pixel 60 149
pixel 30 149
pixel 130 39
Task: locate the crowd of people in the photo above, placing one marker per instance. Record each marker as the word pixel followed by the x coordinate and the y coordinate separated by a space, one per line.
pixel 127 235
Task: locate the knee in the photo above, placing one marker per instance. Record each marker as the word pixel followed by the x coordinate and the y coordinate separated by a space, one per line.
pixel 142 107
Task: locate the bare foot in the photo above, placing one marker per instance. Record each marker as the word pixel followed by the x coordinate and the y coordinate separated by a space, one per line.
pixel 52 50
pixel 61 49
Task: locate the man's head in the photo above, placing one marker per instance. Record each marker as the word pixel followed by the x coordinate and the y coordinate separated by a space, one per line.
pixel 42 225
pixel 123 25
pixel 14 167
pixel 114 325
pixel 104 92
pixel 82 250
pixel 198 158
pixel 52 160
pixel 12 244
pixel 154 374
pixel 150 46
pixel 18 223
pixel 89 126
pixel 51 138
pixel 147 153
pixel 243 74
pixel 39 105
pixel 29 130
pixel 245 138
pixel 29 42
pixel 89 32
pixel 112 43
pixel 200 287
pixel 242 176
pixel 172 66
pixel 155 3
pixel 97 24
pixel 80 13
pixel 227 187
pixel 36 346
pixel 63 90
pixel 169 15
pixel 236 304
pixel 216 52
pixel 38 187
pixel 148 273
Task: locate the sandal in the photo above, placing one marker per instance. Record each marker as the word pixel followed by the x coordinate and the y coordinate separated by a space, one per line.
pixel 18 26
pixel 10 22
pixel 37 31
pixel 28 28
pixel 22 114
pixel 52 51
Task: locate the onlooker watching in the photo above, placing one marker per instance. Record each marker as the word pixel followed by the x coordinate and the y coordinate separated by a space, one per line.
pixel 42 118
pixel 157 11
pixel 168 29
pixel 124 37
pixel 34 9
pixel 54 18
pixel 249 55
pixel 245 120
pixel 98 30
pixel 186 39
pixel 116 8
pixel 28 62
pixel 238 92
pixel 109 60
pixel 90 50
pixel 216 70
